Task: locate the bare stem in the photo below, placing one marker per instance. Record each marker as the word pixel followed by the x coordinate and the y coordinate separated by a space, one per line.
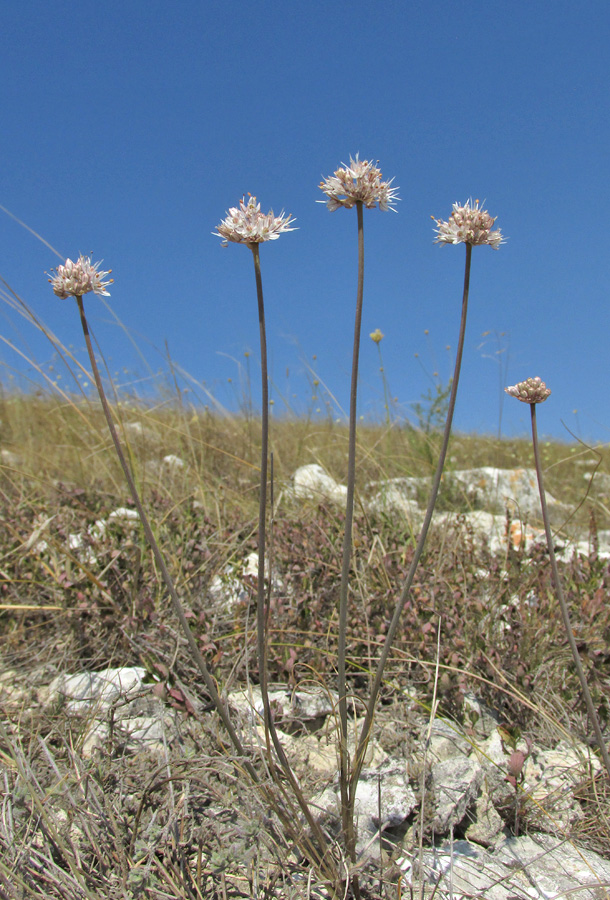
pixel 261 617
pixel 370 712
pixel 346 818
pixel 261 607
pixel 167 578
pixel 316 857
pixel 593 717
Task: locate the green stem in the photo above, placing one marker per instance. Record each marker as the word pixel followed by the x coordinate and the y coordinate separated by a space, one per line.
pixel 386 389
pixel 346 819
pixel 167 578
pixel 370 712
pixel 562 601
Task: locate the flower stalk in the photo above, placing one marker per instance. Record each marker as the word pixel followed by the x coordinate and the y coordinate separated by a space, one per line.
pixel 159 559
pixel 471 226
pixel 391 634
pixel 82 276
pixel 360 184
pixel 247 225
pixel 76 279
pixel 261 602
pixel 377 336
pixel 534 391
pixel 344 775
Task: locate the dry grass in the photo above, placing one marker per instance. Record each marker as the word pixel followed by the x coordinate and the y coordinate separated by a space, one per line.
pixel 110 826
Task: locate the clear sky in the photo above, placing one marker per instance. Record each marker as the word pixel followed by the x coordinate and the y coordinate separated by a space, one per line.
pixel 129 128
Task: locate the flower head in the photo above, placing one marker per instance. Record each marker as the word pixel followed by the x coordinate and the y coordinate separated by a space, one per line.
pixel 468 225
pixel 248 225
pixel 74 279
pixel 532 390
pixel 360 181
pixel 377 336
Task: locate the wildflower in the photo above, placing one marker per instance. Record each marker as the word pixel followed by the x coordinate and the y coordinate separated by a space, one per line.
pixel 74 279
pixel 468 225
pixel 248 225
pixel 532 390
pixel 377 336
pixel 358 182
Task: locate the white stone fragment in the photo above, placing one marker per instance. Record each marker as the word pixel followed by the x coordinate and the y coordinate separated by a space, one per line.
pixel 311 482
pixel 173 463
pixel 97 690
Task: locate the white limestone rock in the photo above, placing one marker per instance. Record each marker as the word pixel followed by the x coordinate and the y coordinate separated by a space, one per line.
pixel 538 867
pixel 97 691
pixel 513 489
pixel 455 785
pixel 311 482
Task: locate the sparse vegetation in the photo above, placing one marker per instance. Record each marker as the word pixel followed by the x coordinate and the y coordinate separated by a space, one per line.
pixel 156 554
pixel 73 818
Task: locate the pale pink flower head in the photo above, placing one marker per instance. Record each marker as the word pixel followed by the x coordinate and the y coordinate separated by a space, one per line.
pixel 468 224
pixel 248 225
pixel 532 390
pixel 358 182
pixel 74 279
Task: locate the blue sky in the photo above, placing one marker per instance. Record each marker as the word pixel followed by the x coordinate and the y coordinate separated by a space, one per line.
pixel 130 128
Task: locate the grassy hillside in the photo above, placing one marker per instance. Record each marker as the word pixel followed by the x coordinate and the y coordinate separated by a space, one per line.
pixel 76 597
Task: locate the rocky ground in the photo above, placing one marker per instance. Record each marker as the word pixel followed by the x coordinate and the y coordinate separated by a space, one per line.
pixel 117 779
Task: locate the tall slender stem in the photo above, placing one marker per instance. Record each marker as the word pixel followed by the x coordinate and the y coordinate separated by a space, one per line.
pixel 347 821
pixel 562 601
pixel 167 578
pixel 261 611
pixel 370 712
pixel 261 618
pixel 306 844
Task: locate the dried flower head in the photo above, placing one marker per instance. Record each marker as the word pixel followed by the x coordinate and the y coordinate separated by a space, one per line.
pixel 360 181
pixel 377 336
pixel 468 225
pixel 248 225
pixel 74 279
pixel 532 390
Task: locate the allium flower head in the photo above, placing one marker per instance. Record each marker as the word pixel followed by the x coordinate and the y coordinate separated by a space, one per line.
pixel 468 225
pixel 361 180
pixel 532 390
pixel 377 336
pixel 248 225
pixel 74 279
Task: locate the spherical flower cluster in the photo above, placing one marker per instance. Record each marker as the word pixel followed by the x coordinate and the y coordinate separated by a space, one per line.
pixel 377 336
pixel 74 279
pixel 468 225
pixel 532 390
pixel 360 181
pixel 248 225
